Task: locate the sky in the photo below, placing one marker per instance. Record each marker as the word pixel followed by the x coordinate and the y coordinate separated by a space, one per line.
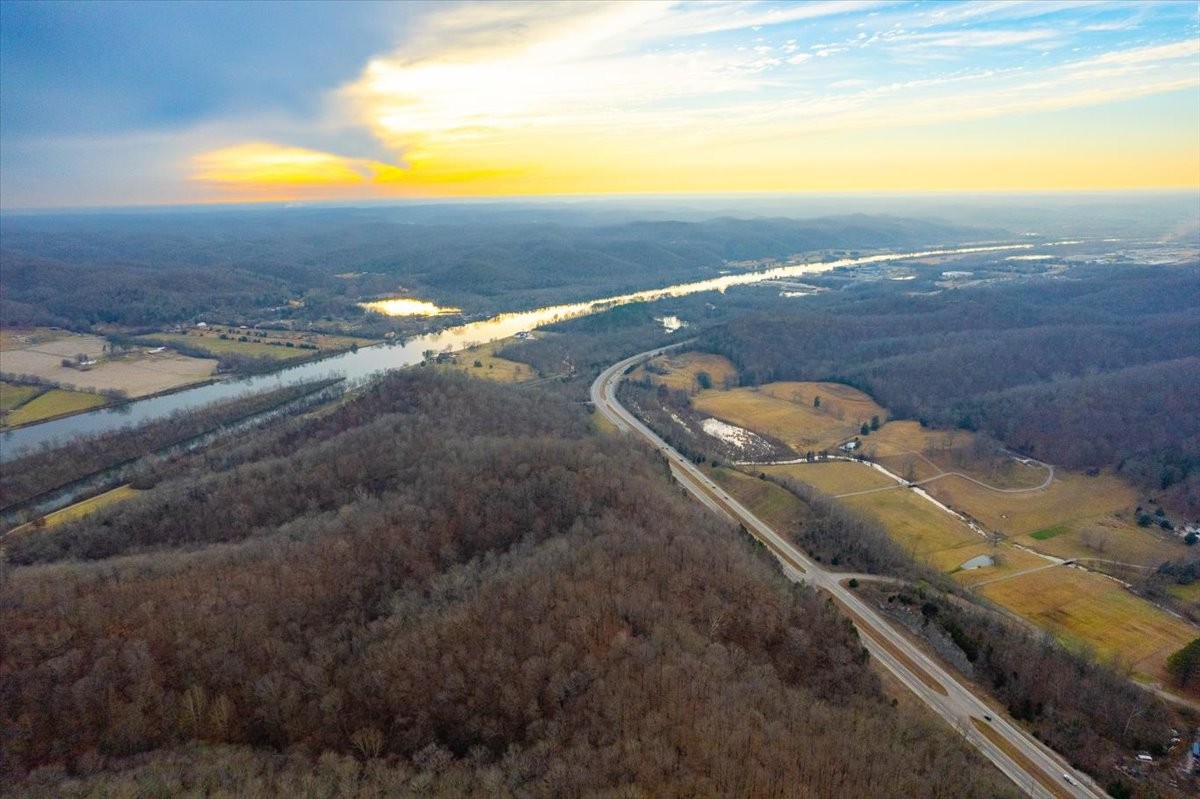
pixel 143 103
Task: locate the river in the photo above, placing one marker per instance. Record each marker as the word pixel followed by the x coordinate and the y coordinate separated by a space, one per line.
pixel 369 360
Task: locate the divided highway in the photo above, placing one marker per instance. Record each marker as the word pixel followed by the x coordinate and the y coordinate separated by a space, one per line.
pixel 1035 768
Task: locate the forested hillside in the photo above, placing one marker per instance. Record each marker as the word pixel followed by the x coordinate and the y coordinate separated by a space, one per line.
pixel 1101 368
pixel 146 270
pixel 443 587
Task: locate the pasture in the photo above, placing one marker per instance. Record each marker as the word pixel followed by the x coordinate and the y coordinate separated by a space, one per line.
pixel 786 411
pixel 680 371
pixel 481 361
pixel 13 395
pixel 51 404
pixel 40 353
pixel 217 346
pixel 833 477
pixel 934 537
pixel 775 505
pixel 1091 611
pixel 1076 516
pixel 79 509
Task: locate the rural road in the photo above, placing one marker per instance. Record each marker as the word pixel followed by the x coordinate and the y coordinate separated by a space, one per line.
pixel 1034 768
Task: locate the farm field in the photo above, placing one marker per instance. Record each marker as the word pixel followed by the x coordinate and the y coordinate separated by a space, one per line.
pixel 80 509
pixel 935 537
pixel 1084 609
pixel 490 367
pixel 773 504
pixel 681 370
pixel 1076 516
pixel 40 353
pixel 12 395
pixel 1087 609
pixel 919 453
pixel 218 346
pixel 785 411
pixel 223 338
pixel 833 477
pixel 55 402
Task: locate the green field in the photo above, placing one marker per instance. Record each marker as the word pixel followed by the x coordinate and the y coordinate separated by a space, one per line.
pixel 55 402
pixel 12 395
pixel 218 346
pixel 1048 533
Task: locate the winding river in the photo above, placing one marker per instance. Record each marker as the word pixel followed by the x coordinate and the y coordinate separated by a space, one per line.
pixel 369 360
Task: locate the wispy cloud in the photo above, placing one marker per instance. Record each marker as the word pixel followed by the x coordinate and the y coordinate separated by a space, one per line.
pixel 482 91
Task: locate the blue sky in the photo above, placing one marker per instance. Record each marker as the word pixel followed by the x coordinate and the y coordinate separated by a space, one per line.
pixel 147 103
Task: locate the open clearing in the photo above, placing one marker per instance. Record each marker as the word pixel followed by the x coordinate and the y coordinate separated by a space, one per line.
pixel 80 509
pixel 776 506
pixel 833 477
pixel 1090 517
pixel 785 411
pixel 1075 516
pixel 481 361
pixel 12 395
pixel 215 345
pixel 932 536
pixel 919 453
pixel 55 402
pixel 1088 609
pixel 40 353
pixel 679 371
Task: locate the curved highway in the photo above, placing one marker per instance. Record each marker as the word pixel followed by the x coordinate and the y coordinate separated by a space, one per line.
pixel 1035 769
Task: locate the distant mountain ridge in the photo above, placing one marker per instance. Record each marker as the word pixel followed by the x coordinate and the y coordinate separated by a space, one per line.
pixel 131 269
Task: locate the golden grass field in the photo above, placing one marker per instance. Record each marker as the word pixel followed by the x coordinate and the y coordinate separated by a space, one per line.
pixel 55 402
pixel 76 511
pixel 81 509
pixel 1089 517
pixel 1096 514
pixel 919 453
pixel 490 367
pixel 932 536
pixel 1087 609
pixel 681 370
pixel 785 411
pixel 833 477
pixel 776 506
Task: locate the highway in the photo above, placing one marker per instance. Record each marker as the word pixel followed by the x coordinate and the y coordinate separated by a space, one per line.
pixel 1034 768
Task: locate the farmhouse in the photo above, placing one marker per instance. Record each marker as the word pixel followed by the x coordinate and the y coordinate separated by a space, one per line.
pixel 849 446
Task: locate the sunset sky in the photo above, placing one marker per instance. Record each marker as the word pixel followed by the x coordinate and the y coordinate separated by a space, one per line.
pixel 142 103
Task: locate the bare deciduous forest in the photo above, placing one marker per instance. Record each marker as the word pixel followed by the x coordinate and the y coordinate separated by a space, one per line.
pixel 1098 370
pixel 533 611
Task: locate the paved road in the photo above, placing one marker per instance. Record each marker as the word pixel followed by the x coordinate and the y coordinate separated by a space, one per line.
pixel 1035 768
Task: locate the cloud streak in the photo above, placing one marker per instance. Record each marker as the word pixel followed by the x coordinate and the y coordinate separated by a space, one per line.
pixel 536 97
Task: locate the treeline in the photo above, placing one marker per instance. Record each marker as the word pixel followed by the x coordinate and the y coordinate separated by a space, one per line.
pixel 1083 709
pixel 845 539
pixel 490 601
pixel 51 467
pixel 1088 711
pixel 1098 370
pixel 135 270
